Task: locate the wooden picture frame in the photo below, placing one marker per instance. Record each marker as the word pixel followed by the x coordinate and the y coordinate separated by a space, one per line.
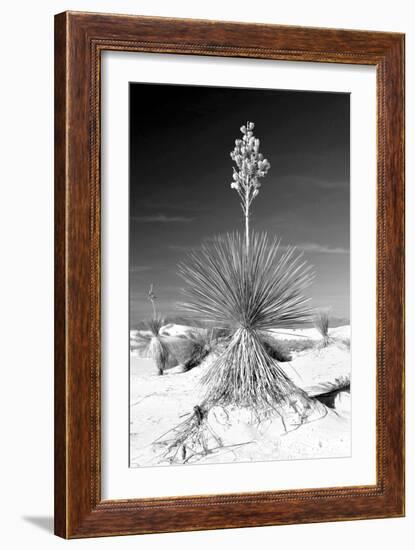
pixel 79 40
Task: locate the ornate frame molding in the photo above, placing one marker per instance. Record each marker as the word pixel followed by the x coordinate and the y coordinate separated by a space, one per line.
pixel 79 40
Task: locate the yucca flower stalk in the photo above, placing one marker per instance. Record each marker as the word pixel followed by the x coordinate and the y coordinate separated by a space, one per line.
pixel 250 292
pixel 251 166
pixel 152 297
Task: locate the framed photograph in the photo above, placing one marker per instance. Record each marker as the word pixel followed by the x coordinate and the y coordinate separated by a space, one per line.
pixel 229 275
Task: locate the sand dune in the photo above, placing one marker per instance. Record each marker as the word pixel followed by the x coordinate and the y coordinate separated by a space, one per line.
pixel 158 403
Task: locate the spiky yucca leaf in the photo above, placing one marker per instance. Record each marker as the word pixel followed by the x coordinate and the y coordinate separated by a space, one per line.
pixel 261 290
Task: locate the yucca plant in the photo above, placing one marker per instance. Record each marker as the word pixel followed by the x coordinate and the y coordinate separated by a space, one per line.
pixel 249 292
pixel 246 286
pixel 153 344
pixel 321 322
pixel 150 342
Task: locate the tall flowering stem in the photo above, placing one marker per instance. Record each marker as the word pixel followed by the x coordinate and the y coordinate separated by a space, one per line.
pixel 251 166
pixel 152 297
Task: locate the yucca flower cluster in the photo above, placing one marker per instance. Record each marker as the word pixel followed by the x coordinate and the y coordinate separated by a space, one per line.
pixel 251 167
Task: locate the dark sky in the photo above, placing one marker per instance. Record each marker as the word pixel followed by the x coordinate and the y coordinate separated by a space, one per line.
pixel 180 175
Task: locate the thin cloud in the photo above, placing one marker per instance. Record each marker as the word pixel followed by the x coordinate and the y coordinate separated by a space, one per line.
pixel 321 249
pixel 332 184
pixel 314 181
pixel 191 248
pixel 139 268
pixel 185 206
pixel 161 218
pixel 184 247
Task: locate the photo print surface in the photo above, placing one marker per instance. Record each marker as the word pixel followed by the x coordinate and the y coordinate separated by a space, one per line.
pixel 239 275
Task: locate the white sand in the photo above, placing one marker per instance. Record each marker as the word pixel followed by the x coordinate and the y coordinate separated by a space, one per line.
pixel 158 403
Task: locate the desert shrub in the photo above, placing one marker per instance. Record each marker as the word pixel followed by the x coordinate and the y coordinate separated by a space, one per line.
pixel 326 392
pixel 321 322
pixel 276 349
pixel 195 346
pixel 342 383
pixel 297 344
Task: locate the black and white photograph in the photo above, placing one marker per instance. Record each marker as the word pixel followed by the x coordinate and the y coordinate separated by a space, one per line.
pixel 239 275
pixel 208 262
